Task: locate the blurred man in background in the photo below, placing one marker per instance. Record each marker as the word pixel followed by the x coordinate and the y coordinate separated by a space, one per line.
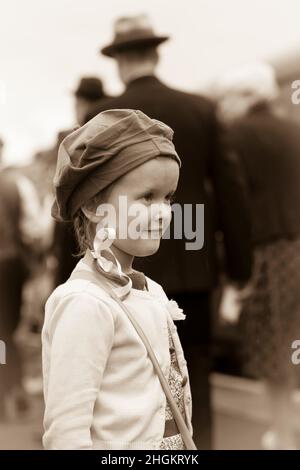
pixel 89 91
pixel 87 94
pixel 188 276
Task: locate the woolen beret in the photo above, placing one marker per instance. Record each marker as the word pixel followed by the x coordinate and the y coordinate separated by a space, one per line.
pixel 107 147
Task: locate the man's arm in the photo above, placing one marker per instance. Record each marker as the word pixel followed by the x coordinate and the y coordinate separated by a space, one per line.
pixel 232 203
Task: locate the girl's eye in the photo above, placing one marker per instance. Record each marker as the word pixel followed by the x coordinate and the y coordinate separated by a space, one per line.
pixel 170 198
pixel 148 197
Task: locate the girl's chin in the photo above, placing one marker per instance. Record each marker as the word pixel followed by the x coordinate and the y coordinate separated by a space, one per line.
pixel 146 247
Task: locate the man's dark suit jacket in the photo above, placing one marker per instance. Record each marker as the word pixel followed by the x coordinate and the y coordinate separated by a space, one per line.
pixel 208 176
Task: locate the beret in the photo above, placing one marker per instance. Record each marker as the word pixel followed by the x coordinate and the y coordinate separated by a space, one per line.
pixel 108 146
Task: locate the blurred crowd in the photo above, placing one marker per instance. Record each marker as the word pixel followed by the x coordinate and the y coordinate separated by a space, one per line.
pixel 241 159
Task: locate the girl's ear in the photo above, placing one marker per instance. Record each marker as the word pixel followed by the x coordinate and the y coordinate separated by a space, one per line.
pixel 90 214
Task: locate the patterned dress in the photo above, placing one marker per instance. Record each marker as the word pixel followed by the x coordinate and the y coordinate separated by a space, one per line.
pixel 176 383
pixel 270 319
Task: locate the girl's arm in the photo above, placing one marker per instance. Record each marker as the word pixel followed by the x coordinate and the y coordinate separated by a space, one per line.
pixel 81 334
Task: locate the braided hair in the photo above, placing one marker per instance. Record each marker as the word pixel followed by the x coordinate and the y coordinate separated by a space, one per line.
pixel 84 228
pixel 81 228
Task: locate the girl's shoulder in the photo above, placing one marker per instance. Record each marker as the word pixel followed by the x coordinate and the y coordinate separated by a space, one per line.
pixel 80 286
pixel 80 302
pixel 80 290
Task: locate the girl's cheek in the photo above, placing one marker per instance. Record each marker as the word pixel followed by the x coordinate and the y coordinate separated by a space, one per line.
pixel 154 216
pixel 139 216
pixel 132 222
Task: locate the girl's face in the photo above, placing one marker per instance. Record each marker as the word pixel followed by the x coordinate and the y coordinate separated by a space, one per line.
pixel 142 202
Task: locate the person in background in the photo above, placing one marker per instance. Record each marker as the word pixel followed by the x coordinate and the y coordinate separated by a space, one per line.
pixel 12 277
pixel 1 152
pixel 188 276
pixel 21 233
pixel 268 146
pixel 88 92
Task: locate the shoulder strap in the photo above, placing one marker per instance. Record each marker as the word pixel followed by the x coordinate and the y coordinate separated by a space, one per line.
pixel 184 431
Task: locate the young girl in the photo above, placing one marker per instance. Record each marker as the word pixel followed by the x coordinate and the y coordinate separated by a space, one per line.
pixel 101 389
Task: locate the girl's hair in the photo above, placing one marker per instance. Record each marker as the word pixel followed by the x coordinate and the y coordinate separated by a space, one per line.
pixel 84 228
pixel 82 231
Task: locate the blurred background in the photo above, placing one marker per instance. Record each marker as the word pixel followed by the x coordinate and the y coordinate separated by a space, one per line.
pixel 46 48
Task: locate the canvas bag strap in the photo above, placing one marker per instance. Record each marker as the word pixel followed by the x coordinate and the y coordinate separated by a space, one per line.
pixel 181 425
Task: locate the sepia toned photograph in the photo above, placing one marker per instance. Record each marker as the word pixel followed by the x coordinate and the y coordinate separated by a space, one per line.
pixel 149 227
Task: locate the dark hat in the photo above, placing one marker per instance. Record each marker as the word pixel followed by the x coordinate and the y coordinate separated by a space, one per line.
pixel 107 147
pixel 89 88
pixel 132 32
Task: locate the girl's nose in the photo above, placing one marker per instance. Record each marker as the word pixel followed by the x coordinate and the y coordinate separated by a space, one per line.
pixel 163 211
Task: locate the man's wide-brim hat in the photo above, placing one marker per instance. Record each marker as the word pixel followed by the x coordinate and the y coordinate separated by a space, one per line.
pixel 132 32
